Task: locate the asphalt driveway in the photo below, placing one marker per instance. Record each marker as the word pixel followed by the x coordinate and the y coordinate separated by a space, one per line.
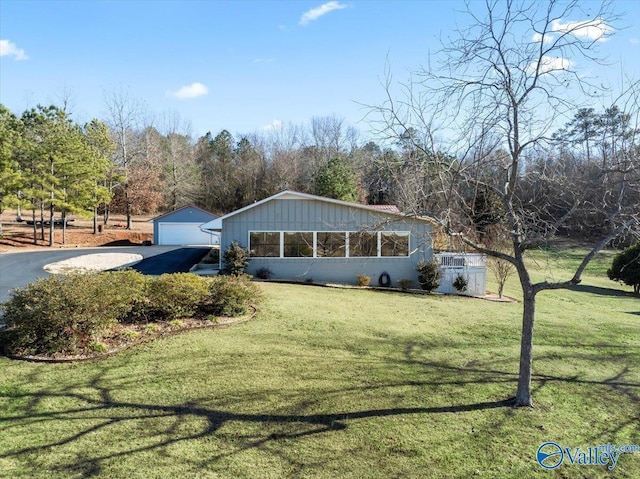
pixel 19 269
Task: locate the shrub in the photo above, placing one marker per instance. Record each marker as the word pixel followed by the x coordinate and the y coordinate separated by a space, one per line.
pixel 63 313
pixel 264 273
pixel 626 267
pixel 178 295
pixel 230 296
pixel 212 257
pixel 429 275
pixel 98 347
pixel 363 280
pixel 405 283
pixel 235 260
pixel 460 283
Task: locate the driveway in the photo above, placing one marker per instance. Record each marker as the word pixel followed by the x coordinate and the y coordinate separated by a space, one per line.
pixel 19 269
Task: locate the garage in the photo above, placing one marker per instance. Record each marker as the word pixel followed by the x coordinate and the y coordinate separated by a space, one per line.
pixel 182 227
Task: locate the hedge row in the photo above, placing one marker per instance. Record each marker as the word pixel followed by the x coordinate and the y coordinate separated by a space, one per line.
pixel 66 313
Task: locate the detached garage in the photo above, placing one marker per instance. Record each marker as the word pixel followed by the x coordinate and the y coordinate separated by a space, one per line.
pixel 182 227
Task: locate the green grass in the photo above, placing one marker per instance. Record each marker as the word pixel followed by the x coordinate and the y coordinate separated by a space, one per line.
pixel 342 383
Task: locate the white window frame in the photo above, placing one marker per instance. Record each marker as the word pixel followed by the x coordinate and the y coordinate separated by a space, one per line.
pixel 315 244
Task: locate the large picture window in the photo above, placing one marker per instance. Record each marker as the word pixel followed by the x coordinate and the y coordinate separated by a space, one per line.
pixel 394 244
pixel 331 245
pixel 328 244
pixel 264 244
pixel 363 243
pixel 298 245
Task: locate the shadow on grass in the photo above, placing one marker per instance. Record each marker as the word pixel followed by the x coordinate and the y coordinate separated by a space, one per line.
pixel 585 288
pixel 97 410
pixel 91 411
pixel 101 411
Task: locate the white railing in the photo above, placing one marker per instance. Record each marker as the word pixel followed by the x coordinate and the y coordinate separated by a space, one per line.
pixel 461 260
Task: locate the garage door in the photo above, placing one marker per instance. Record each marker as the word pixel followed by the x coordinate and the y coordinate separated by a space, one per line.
pixel 183 234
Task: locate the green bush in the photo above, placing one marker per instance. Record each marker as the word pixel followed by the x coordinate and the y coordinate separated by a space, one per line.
pixel 405 283
pixel 429 275
pixel 235 260
pixel 626 267
pixel 230 295
pixel 174 296
pixel 64 313
pixel 460 283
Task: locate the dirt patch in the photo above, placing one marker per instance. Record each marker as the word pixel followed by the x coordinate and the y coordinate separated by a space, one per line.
pixel 18 236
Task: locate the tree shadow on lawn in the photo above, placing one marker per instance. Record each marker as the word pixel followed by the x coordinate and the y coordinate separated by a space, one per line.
pixel 585 288
pixel 97 410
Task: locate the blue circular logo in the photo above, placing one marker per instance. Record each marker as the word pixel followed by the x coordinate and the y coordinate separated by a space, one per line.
pixel 550 455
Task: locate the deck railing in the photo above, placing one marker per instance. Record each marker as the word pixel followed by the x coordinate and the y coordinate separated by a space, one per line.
pixel 461 260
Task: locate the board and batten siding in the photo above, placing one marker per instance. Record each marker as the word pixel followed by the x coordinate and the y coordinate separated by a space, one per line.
pixel 300 215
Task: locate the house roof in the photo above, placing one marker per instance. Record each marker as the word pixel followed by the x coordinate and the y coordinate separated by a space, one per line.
pixel 216 224
pixel 169 213
pixel 390 208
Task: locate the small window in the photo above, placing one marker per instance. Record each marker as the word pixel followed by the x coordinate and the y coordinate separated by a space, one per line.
pixel 363 243
pixel 331 245
pixel 264 245
pixel 298 245
pixel 394 244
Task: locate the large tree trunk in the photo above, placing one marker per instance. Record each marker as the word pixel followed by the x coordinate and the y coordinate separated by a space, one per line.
pixel 95 220
pixel 51 226
pixel 42 220
pixel 64 227
pixel 523 394
pixel 35 227
pixel 127 205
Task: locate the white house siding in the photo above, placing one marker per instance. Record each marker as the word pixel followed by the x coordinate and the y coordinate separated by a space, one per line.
pixel 299 215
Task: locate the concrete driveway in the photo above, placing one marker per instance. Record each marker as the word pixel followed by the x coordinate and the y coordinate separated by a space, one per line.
pixel 19 269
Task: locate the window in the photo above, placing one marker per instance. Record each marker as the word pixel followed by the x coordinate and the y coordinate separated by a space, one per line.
pixel 331 245
pixel 328 244
pixel 264 245
pixel 394 244
pixel 363 243
pixel 298 245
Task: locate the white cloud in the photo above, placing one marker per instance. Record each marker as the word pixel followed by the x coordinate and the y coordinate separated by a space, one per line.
pixel 190 91
pixel 551 64
pixel 537 38
pixel 8 48
pixel 317 12
pixel 596 29
pixel 264 60
pixel 634 41
pixel 273 126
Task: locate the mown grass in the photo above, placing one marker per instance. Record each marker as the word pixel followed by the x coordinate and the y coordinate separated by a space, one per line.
pixel 341 383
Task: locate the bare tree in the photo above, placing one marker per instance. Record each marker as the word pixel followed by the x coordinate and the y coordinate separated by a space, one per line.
pixel 502 84
pixel 124 119
pixel 180 170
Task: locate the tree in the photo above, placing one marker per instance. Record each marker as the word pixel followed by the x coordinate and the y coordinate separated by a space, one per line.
pixel 337 180
pixel 98 164
pixel 502 84
pixel 52 151
pixel 10 175
pixel 179 170
pixel 626 267
pixel 124 119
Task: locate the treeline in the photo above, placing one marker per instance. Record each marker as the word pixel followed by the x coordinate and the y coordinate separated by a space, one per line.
pixel 129 165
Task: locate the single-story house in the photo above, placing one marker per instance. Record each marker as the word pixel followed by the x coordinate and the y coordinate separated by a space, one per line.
pixel 311 238
pixel 182 227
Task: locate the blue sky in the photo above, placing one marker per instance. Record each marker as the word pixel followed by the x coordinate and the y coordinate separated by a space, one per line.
pixel 239 65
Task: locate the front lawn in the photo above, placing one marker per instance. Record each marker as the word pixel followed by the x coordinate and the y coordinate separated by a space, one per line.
pixel 340 383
